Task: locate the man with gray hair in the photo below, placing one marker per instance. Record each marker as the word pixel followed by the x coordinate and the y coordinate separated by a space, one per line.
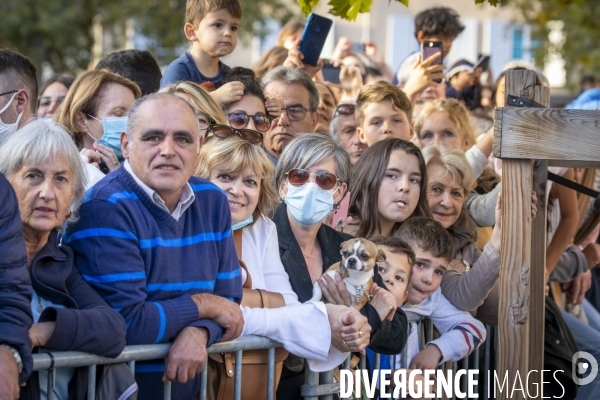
pixel 18 91
pixel 343 130
pixel 156 243
pixel 299 100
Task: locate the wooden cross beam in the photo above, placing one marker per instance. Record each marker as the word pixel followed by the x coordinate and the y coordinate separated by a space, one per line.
pixel 563 137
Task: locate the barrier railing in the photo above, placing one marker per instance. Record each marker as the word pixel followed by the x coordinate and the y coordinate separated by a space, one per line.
pixel 321 386
pixel 318 386
pixel 131 354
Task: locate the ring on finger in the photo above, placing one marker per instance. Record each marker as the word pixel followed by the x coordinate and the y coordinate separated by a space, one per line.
pixel 115 163
pixel 342 343
pixel 360 333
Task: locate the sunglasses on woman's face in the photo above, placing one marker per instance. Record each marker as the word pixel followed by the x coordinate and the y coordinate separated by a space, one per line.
pixel 325 180
pixel 345 109
pixel 240 119
pixel 225 131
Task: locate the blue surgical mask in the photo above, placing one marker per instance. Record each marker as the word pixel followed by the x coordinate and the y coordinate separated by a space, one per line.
pixel 241 224
pixel 308 204
pixel 113 126
pixel 111 136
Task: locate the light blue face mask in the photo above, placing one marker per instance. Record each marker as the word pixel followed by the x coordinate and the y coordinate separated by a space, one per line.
pixel 113 126
pixel 111 136
pixel 308 204
pixel 241 224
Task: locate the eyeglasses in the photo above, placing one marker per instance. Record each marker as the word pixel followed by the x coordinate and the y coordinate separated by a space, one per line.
pixel 9 92
pixel 225 131
pixel 345 109
pixel 295 113
pixel 204 121
pixel 240 120
pixel 325 180
pixel 45 101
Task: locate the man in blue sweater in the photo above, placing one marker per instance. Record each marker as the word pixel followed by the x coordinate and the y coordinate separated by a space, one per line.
pixel 156 243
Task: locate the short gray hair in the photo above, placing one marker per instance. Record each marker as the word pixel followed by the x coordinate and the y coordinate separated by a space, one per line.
pixel 309 149
pixel 39 142
pixel 134 117
pixel 333 126
pixel 295 75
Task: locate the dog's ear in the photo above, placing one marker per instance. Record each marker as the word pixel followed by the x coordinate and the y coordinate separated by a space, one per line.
pixel 380 255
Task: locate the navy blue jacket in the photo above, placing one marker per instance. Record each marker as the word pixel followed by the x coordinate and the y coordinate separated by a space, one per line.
pixel 86 323
pixel 15 287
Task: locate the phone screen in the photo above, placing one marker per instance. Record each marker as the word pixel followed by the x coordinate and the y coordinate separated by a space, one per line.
pixel 331 73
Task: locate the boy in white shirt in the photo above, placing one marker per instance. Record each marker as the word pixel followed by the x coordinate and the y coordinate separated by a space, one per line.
pixel 460 332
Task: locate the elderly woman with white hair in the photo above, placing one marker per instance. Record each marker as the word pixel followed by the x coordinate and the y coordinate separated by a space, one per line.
pixel 311 176
pixel 43 166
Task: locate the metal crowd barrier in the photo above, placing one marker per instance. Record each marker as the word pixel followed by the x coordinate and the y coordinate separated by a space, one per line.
pixel 318 386
pixel 131 354
pixel 321 386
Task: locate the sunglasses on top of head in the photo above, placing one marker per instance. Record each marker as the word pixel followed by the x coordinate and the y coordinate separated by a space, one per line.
pixel 225 131
pixel 325 180
pixel 240 119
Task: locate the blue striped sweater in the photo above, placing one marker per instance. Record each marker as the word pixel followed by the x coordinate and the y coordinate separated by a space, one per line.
pixel 146 264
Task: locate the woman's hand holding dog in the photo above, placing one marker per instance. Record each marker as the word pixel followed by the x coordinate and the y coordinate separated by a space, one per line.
pixel 350 330
pixel 335 291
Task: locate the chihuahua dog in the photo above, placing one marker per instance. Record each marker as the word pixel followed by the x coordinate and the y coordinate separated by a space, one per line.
pixel 359 257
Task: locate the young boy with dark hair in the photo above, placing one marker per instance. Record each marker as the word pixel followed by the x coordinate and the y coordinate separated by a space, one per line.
pixel 460 332
pixel 383 112
pixel 211 26
pixel 138 66
pixel 396 269
pixel 440 24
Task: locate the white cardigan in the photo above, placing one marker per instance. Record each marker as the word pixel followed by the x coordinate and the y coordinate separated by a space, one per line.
pixel 302 329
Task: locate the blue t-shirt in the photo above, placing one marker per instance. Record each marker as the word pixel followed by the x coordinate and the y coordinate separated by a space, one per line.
pixel 184 69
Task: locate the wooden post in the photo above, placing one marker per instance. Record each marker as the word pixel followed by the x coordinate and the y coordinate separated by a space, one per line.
pixel 515 256
pixel 537 276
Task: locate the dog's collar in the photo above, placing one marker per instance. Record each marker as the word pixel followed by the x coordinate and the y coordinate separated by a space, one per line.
pixel 358 292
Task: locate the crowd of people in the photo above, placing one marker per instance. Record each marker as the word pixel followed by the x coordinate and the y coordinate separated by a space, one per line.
pixel 123 190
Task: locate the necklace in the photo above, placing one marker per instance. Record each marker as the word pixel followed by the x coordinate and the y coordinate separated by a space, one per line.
pixel 311 252
pixel 40 305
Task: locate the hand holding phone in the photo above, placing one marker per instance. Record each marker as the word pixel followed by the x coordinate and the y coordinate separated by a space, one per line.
pixel 313 38
pixel 429 48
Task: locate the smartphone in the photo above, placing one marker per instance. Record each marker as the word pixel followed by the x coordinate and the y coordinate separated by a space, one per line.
pixel 429 48
pixel 340 215
pixel 313 38
pixel 331 73
pixel 358 47
pixel 483 63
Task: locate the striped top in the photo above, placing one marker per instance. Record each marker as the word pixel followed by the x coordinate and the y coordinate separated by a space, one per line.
pixel 146 264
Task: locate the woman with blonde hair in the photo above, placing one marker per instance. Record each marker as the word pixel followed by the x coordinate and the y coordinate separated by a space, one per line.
pixel 244 172
pixel 95 112
pixel 274 57
pixel 200 98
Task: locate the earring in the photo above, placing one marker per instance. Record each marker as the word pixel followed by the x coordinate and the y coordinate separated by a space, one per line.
pixel 69 214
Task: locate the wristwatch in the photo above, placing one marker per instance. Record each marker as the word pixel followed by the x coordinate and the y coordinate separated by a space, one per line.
pixel 16 354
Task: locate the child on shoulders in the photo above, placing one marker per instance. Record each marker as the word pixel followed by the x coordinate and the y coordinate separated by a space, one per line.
pixel 211 27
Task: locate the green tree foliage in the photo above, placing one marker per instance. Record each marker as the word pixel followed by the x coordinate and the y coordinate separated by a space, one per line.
pixel 58 33
pixel 580 28
pixel 349 9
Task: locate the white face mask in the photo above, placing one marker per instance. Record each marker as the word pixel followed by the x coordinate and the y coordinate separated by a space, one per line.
pixel 8 129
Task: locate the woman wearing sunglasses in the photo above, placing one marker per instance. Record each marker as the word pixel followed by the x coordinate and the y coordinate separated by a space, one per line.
pixel 311 176
pixel 251 114
pixel 244 172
